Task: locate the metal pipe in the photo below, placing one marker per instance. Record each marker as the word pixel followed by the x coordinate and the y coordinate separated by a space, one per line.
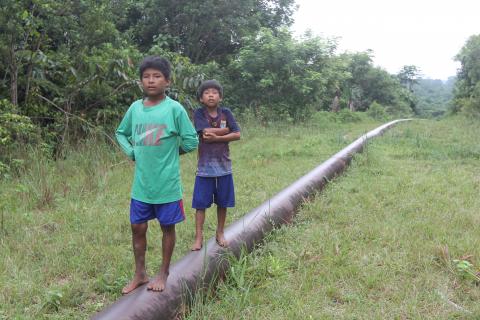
pixel 200 268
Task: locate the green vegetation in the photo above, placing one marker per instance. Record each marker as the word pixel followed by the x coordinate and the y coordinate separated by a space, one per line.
pixel 434 97
pixel 429 98
pixel 467 89
pixel 83 77
pixel 395 237
pixel 65 248
pixel 61 86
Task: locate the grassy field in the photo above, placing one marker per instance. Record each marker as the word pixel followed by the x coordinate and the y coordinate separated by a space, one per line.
pixel 65 249
pixel 396 237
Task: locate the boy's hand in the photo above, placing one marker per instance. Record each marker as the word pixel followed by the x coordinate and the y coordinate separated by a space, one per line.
pixel 209 136
pixel 208 130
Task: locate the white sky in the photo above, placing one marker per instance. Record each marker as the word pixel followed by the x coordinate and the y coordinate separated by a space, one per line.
pixel 425 33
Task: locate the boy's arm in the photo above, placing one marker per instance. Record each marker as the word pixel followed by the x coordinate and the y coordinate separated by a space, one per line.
pixel 217 131
pixel 123 134
pixel 200 122
pixel 187 133
pixel 230 133
pixel 211 137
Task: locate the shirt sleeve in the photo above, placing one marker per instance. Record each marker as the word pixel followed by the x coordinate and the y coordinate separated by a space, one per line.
pixel 124 134
pixel 231 122
pixel 186 131
pixel 199 120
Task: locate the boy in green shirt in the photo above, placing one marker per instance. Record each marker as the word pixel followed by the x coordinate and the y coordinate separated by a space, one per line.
pixel 152 133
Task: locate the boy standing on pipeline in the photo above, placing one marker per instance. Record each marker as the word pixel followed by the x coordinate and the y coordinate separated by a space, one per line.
pixel 216 127
pixel 152 133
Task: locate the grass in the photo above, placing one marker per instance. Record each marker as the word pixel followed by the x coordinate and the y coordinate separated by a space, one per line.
pixel 65 248
pixel 396 237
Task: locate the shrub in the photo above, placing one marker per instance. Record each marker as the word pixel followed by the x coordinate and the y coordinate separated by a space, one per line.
pixel 347 116
pixel 400 110
pixel 15 131
pixel 323 118
pixel 377 111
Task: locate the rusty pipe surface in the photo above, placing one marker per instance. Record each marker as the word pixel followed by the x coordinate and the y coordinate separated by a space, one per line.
pixel 199 268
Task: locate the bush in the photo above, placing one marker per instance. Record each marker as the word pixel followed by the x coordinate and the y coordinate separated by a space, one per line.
pixel 323 118
pixel 377 111
pixel 347 116
pixel 15 131
pixel 471 105
pixel 401 110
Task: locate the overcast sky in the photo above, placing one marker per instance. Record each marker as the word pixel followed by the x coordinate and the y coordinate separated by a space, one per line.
pixel 425 33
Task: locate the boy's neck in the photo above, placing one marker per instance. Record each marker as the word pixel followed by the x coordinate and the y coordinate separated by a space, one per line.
pixel 212 110
pixel 154 100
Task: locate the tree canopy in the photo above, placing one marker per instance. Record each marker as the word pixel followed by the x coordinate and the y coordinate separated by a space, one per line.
pixel 433 96
pixel 467 89
pixel 69 68
pixel 200 30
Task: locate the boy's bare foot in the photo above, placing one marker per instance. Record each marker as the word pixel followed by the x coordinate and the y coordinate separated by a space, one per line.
pixel 197 245
pixel 135 283
pixel 221 241
pixel 159 283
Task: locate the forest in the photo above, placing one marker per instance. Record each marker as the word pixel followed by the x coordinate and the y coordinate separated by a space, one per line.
pixel 60 84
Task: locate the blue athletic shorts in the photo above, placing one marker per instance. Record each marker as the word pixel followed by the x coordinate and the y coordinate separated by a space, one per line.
pixel 218 190
pixel 166 213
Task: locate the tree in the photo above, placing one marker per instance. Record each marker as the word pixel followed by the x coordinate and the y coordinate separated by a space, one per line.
pixel 282 74
pixel 21 37
pixel 357 65
pixel 433 96
pixel 467 89
pixel 201 30
pixel 64 78
pixel 409 76
pixel 366 84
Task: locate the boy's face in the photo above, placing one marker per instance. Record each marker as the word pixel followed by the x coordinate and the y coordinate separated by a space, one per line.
pixel 154 82
pixel 210 97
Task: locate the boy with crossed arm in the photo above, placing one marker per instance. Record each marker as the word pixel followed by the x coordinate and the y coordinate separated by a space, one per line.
pixel 216 127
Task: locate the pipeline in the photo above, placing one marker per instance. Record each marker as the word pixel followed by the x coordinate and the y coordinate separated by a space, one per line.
pixel 198 269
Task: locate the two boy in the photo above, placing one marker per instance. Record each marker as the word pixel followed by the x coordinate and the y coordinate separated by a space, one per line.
pixel 152 133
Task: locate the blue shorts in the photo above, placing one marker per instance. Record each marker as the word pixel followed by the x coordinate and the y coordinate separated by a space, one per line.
pixel 166 213
pixel 218 190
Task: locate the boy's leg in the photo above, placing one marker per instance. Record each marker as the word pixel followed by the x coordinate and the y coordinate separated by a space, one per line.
pixel 202 199
pixel 139 242
pixel 168 243
pixel 225 197
pixel 199 221
pixel 221 218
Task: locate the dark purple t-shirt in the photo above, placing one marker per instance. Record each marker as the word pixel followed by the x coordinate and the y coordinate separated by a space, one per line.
pixel 214 158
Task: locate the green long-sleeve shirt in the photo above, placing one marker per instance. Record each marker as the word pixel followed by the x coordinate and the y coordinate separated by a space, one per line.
pixel 152 136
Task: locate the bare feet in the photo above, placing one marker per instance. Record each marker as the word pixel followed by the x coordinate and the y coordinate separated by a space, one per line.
pixel 221 241
pixel 135 283
pixel 197 245
pixel 159 283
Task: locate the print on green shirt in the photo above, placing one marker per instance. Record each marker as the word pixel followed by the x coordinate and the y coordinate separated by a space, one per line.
pixel 149 134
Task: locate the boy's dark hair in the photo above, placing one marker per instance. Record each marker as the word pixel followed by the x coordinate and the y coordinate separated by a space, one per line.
pixel 209 84
pixel 158 63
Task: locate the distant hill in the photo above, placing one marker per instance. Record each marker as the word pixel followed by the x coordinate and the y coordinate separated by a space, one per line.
pixel 433 96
